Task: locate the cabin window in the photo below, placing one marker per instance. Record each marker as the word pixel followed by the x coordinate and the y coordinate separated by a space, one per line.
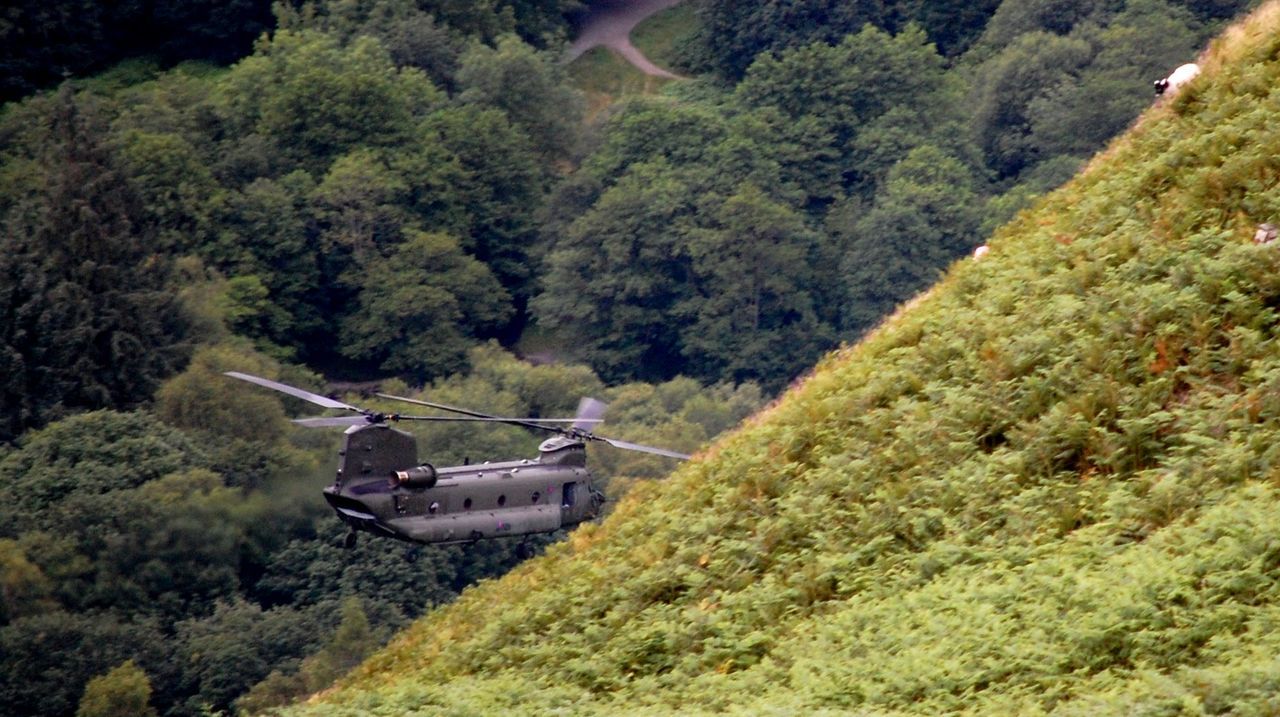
pixel 466 504
pixel 569 490
pixel 502 500
pixel 536 496
pixel 433 507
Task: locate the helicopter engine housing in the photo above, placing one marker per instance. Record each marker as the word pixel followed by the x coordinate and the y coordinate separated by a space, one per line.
pixel 424 476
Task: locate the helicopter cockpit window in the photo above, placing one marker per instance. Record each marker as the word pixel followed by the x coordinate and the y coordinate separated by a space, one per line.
pixel 536 496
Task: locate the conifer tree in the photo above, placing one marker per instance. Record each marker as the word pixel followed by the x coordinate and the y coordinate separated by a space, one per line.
pixel 88 321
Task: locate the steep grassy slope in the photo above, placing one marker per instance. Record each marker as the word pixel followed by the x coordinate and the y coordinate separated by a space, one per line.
pixel 1050 486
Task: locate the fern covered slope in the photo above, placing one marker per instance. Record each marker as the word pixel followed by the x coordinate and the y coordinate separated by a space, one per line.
pixel 1051 486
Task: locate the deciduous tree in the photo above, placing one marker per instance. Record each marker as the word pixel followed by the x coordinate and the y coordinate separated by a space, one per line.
pixel 926 216
pixel 613 283
pixel 755 314
pixel 123 692
pixel 421 307
pixel 530 87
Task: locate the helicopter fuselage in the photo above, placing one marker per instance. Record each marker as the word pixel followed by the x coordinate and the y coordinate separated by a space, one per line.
pixel 382 488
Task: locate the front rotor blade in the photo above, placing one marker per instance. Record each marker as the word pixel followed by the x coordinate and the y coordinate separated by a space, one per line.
pixel 528 423
pixel 295 392
pixel 336 421
pixel 429 404
pixel 643 449
pixel 327 421
pixel 482 419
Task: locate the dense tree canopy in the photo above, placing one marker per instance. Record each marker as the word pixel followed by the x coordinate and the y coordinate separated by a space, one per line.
pixel 732 35
pixel 317 99
pixel 735 33
pixel 530 88
pixel 420 306
pixel 40 676
pixel 756 311
pixel 621 272
pixel 91 454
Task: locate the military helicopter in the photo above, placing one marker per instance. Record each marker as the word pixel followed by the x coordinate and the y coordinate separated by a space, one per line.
pixel 382 488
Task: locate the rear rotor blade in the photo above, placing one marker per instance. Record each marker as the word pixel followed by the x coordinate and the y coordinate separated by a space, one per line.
pixel 637 447
pixel 493 419
pixel 295 392
pixel 327 422
pixel 590 411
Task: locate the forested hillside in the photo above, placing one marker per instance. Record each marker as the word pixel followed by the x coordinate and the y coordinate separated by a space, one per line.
pixel 415 195
pixel 1047 487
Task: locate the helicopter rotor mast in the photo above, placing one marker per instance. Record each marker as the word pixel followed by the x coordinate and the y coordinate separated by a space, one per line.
pixel 477 416
pixel 338 421
pixel 590 411
pixel 367 417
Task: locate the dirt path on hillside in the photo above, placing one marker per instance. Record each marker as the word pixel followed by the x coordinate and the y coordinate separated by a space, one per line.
pixel 609 24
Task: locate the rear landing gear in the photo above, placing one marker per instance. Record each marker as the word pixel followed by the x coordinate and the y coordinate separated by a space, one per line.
pixel 350 542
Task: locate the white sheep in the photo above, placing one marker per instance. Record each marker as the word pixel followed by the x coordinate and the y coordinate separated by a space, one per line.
pixel 1178 78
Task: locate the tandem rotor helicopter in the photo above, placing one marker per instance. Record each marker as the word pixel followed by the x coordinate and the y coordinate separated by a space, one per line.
pixel 382 488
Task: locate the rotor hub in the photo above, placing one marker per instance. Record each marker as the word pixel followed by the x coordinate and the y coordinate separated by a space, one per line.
pixel 559 443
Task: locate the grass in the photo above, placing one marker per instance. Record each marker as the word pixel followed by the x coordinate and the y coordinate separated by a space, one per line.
pixel 123 74
pixel 605 77
pixel 661 35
